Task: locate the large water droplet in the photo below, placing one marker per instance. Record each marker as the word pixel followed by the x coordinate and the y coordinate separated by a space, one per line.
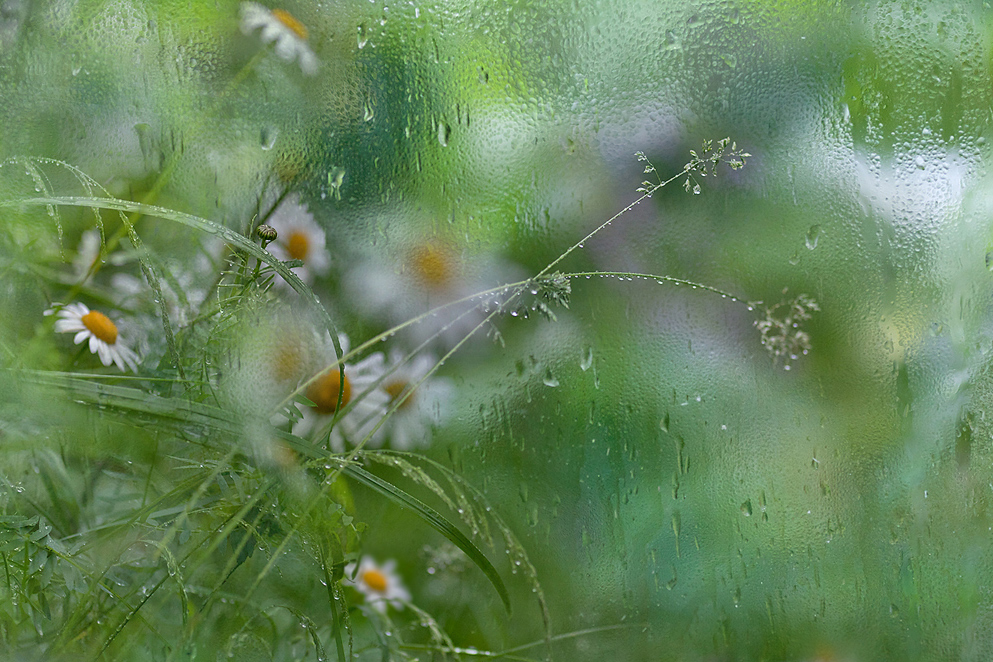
pixel 587 360
pixel 336 177
pixel 813 234
pixel 444 133
pixel 267 137
pixel 550 379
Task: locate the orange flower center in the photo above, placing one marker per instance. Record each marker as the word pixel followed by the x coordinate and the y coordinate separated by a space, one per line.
pixel 432 265
pixel 100 326
pixel 298 245
pixel 395 389
pixel 375 580
pixel 290 21
pixel 324 392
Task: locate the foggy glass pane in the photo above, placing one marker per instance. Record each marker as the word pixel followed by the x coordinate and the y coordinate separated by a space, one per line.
pixel 665 323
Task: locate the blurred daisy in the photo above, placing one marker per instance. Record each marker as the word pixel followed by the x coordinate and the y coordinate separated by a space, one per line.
pixel 420 409
pixel 280 26
pixel 299 237
pixel 270 350
pixel 87 254
pixel 367 407
pixel 96 327
pixel 419 277
pixel 379 584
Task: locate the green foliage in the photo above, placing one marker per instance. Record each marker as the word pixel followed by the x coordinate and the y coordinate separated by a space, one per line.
pixel 316 343
pixel 215 507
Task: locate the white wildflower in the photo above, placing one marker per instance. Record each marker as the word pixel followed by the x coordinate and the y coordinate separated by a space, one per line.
pixel 99 330
pixel 281 27
pixel 379 584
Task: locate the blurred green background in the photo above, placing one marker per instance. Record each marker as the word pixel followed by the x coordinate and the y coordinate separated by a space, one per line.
pixel 681 495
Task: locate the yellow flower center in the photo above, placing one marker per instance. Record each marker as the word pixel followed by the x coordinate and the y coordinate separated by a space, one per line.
pixel 432 265
pixel 100 326
pixel 395 389
pixel 287 362
pixel 298 245
pixel 290 21
pixel 324 392
pixel 375 580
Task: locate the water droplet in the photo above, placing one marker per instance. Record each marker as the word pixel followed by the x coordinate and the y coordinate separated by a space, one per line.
pixel 671 584
pixel 444 133
pixel 267 137
pixel 813 234
pixel 363 36
pixel 587 360
pixel 550 379
pixel 664 423
pixel 919 162
pixel 746 508
pixel 336 177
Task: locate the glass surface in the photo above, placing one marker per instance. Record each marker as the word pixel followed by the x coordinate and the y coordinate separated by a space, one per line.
pixel 692 398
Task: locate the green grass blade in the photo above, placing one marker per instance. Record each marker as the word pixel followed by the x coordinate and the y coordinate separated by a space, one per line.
pixel 189 220
pixel 436 520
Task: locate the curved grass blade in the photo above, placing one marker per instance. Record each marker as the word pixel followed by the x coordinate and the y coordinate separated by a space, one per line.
pixel 165 408
pixel 189 220
pixel 436 520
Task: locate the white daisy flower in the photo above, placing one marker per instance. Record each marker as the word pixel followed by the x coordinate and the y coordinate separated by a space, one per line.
pixel 367 407
pixel 280 26
pixel 299 237
pixel 379 584
pixel 417 277
pixel 422 408
pixel 96 327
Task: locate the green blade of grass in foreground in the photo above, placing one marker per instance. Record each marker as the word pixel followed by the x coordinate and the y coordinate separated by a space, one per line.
pixel 436 520
pixel 128 399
